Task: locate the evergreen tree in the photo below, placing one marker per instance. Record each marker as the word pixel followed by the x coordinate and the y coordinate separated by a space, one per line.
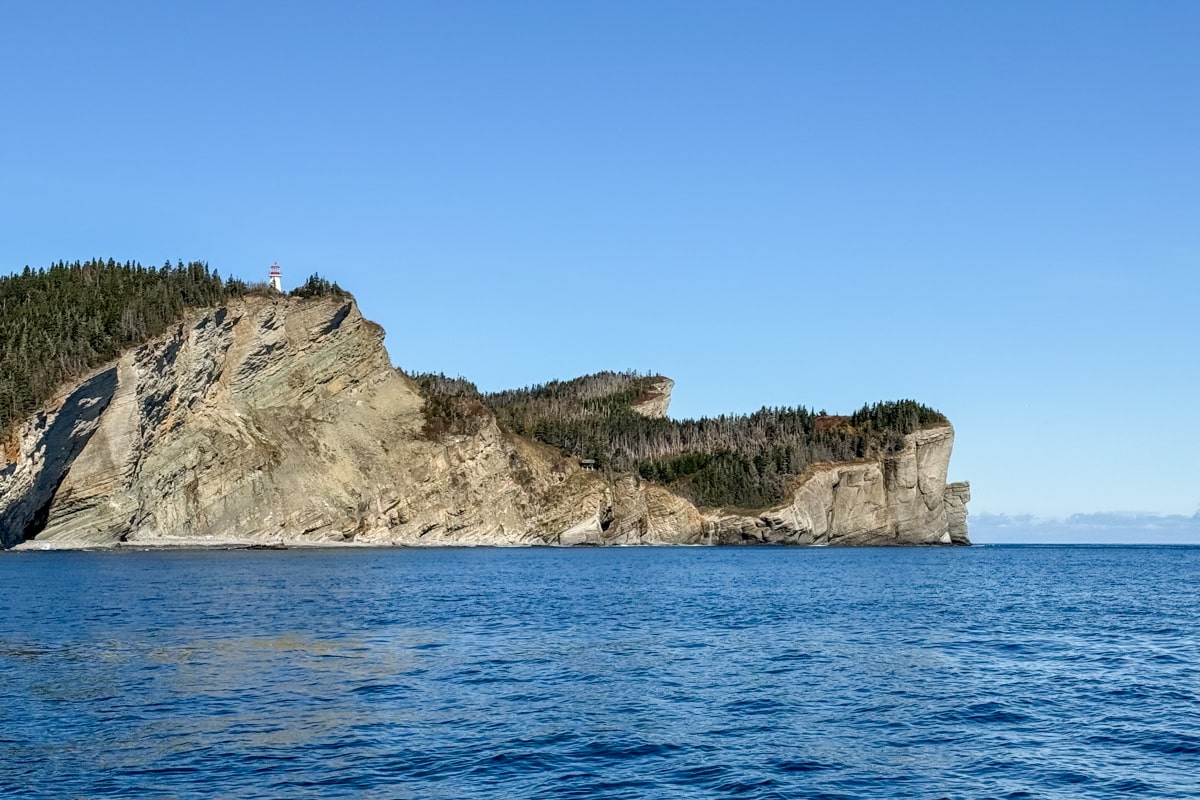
pixel 62 321
pixel 747 461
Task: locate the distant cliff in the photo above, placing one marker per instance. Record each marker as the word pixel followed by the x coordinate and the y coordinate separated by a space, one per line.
pixel 274 419
pixel 617 423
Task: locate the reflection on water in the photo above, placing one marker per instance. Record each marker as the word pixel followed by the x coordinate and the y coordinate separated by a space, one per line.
pixel 1055 672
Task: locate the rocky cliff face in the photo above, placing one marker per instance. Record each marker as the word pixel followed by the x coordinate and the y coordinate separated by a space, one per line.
pixel 656 401
pixel 902 498
pixel 282 420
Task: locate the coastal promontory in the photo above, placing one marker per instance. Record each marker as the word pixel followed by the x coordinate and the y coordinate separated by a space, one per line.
pixel 253 417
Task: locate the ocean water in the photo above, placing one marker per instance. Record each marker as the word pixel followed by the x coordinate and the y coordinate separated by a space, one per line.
pixel 1005 672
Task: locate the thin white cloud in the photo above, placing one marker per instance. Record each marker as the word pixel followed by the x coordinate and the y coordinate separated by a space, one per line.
pixel 1089 528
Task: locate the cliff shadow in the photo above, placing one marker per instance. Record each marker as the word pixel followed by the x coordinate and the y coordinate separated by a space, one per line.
pixel 61 444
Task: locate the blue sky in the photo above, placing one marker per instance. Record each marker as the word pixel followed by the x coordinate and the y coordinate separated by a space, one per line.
pixel 990 207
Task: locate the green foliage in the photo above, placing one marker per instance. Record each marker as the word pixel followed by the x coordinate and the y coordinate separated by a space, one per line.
pixel 316 286
pixel 452 405
pixel 746 461
pixel 886 423
pixel 58 323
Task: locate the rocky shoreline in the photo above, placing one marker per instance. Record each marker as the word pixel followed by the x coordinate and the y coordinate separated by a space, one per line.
pixel 284 420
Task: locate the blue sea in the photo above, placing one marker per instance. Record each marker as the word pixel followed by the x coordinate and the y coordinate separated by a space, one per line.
pixel 983 672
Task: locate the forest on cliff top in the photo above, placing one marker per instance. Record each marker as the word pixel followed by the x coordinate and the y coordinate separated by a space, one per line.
pixel 60 322
pixel 735 460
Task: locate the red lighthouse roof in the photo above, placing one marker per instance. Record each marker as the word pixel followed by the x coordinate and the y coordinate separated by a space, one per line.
pixel 275 271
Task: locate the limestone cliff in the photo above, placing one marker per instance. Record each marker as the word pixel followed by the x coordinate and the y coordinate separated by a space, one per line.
pixel 281 420
pixel 657 400
pixel 902 498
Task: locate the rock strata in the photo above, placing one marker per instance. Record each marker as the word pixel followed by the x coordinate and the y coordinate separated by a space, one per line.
pixel 280 420
pixel 957 497
pixel 899 499
pixel 656 401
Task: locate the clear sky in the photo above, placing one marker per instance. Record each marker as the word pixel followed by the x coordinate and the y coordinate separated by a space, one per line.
pixel 993 208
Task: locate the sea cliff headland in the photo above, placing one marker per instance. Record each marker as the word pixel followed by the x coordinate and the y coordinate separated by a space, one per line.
pixel 270 419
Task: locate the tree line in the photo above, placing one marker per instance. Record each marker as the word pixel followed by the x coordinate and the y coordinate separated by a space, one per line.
pixel 739 460
pixel 61 321
pixel 64 320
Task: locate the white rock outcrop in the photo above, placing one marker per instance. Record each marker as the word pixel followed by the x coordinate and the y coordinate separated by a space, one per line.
pixel 900 498
pixel 656 401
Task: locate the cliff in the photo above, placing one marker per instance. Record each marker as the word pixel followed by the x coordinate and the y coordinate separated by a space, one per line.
pixel 902 498
pixel 275 419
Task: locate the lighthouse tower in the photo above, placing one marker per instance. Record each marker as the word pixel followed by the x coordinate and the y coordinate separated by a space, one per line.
pixel 276 278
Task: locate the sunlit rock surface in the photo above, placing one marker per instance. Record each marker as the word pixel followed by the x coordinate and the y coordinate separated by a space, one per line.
pixel 280 420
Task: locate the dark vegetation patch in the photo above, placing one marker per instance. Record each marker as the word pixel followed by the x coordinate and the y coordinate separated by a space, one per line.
pixel 316 286
pixel 736 460
pixel 453 406
pixel 60 322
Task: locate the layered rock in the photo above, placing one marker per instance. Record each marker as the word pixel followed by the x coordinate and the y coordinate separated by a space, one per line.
pixel 901 498
pixel 282 420
pixel 656 400
pixel 260 420
pixel 957 496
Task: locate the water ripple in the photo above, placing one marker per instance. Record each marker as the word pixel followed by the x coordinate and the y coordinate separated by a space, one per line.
pixel 1000 672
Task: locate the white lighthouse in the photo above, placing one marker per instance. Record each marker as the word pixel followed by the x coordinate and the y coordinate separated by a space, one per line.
pixel 276 278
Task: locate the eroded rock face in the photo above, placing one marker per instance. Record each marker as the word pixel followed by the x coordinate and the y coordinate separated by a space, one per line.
pixel 657 400
pixel 275 420
pixel 957 496
pixel 899 499
pixel 257 421
pixel 282 420
pixel 53 441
